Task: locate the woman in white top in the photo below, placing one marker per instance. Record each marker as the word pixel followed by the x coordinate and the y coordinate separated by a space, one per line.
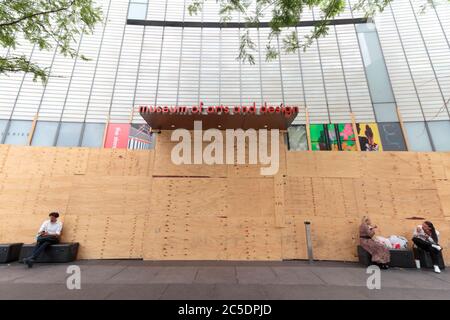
pixel 426 237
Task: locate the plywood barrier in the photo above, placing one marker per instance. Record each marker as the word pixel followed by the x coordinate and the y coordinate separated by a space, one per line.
pixel 138 204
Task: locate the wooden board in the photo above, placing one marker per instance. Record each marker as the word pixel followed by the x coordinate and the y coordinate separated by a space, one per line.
pixel 137 204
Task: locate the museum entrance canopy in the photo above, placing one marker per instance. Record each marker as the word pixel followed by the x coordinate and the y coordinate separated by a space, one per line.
pixel 219 117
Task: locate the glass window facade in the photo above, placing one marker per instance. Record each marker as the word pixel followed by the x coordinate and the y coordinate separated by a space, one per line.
pixel 18 132
pixel 69 134
pixel 378 79
pixel 93 135
pixel 138 9
pixel 45 133
pixel 385 112
pixel 368 70
pixel 417 136
pixel 3 125
pixel 440 134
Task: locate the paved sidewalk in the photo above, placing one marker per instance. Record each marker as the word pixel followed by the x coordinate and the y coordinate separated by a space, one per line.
pixel 134 279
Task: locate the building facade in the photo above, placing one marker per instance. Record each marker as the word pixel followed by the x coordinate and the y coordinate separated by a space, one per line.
pixel 391 77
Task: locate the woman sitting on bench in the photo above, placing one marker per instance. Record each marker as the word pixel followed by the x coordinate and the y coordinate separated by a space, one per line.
pixel 426 237
pixel 380 254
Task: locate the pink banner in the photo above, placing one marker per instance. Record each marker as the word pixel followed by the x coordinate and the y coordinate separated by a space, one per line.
pixel 117 135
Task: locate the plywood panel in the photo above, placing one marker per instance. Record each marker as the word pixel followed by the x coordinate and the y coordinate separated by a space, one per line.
pixel 201 196
pixel 446 163
pixel 109 195
pixel 200 242
pixel 390 165
pixel 98 161
pixel 294 238
pixel 279 184
pixel 299 196
pixel 252 197
pixel 53 194
pixel 323 164
pixel 136 204
pixel 443 187
pixel 28 161
pixel 139 163
pixel 254 239
pixel 21 228
pixel 105 237
pixel 338 164
pixel 69 161
pixel 19 194
pixel 4 149
pixel 164 237
pixel 432 165
pixel 334 239
pixel 164 165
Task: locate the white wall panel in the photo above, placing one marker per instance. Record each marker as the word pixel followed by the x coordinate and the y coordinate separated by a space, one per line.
pixel 123 95
pixel 170 63
pixel 314 86
pixel 230 76
pixel 190 68
pixel 272 90
pixel 148 72
pixel 103 85
pixel 31 91
pixel 335 86
pixel 192 64
pixel 292 81
pixel 210 67
pixel 358 91
pixel 10 83
pixel 251 77
pixel 83 75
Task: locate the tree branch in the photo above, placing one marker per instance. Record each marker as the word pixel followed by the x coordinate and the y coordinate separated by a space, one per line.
pixel 6 24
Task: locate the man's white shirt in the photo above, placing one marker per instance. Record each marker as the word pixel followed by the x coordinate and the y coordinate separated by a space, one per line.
pixel 51 228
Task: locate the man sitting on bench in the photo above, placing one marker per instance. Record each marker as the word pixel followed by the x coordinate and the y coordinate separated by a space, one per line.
pixel 48 234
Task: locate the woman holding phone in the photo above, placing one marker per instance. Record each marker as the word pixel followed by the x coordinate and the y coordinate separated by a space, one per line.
pixel 426 237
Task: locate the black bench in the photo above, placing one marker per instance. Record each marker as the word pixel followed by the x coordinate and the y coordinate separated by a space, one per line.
pixel 10 252
pixel 401 258
pixel 425 259
pixel 55 253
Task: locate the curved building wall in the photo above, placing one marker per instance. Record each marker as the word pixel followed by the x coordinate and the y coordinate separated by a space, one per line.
pixel 338 75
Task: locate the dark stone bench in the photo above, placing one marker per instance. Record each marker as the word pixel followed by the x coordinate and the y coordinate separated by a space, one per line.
pixel 401 258
pixel 425 259
pixel 10 252
pixel 55 253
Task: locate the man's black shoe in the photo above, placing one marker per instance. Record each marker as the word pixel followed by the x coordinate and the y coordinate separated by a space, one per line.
pixel 29 262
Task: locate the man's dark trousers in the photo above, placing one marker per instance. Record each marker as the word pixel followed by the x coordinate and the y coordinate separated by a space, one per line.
pixel 41 245
pixel 428 246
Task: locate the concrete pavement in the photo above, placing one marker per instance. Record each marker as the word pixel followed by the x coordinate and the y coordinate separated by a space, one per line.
pixel 228 280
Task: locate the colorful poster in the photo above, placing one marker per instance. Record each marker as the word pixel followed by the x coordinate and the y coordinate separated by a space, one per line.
pixel 333 140
pixel 347 137
pixel 319 137
pixel 369 137
pixel 140 137
pixel 335 137
pixel 117 135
